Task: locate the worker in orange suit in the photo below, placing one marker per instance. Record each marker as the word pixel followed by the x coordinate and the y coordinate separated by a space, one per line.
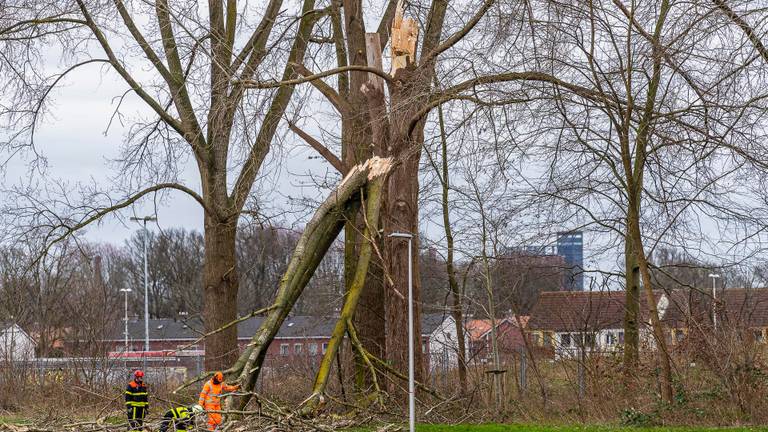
pixel 210 398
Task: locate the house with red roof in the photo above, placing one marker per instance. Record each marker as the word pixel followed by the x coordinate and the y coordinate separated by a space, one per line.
pixel 696 314
pixel 568 323
pixel 510 340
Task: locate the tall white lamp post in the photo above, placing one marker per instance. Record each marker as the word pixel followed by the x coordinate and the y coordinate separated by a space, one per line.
pixel 144 220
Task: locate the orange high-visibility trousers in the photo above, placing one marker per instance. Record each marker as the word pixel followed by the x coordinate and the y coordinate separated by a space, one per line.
pixel 214 420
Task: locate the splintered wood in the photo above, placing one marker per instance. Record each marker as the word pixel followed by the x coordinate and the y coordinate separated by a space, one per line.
pixel 405 32
pixel 373 52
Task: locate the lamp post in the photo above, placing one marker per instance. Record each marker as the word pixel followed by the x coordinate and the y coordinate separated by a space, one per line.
pixel 145 219
pixel 411 378
pixel 126 291
pixel 714 278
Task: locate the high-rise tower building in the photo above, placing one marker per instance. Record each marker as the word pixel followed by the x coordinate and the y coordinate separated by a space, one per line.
pixel 570 246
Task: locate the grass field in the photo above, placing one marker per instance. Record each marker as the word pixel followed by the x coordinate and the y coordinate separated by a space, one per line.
pixel 538 428
pixel 14 420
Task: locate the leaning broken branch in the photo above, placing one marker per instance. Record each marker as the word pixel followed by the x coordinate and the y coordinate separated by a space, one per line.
pixel 373 197
pixel 317 238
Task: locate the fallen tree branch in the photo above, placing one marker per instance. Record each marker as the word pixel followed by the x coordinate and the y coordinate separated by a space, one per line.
pixel 373 196
pixel 321 231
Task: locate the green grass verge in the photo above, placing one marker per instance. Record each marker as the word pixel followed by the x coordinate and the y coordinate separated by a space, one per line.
pixel 14 420
pixel 539 428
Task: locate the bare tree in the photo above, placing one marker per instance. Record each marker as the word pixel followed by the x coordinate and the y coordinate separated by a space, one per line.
pixel 188 70
pixel 643 165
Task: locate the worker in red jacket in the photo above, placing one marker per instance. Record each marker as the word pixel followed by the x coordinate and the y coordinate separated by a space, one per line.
pixel 210 398
pixel 136 401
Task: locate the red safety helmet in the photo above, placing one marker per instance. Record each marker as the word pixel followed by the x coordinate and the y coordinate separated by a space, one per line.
pixel 138 374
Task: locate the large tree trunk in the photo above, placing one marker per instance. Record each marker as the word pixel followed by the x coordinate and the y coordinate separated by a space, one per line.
pixel 632 308
pixel 220 283
pixel 358 139
pixel 402 215
pixel 658 331
pixel 396 306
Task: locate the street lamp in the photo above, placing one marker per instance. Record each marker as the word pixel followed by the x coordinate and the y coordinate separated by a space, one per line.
pixel 145 219
pixel 411 379
pixel 126 291
pixel 714 278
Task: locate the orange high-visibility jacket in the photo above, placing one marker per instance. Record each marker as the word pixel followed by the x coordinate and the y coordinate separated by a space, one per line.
pixel 210 397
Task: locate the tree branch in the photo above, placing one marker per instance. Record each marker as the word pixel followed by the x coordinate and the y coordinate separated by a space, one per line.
pixel 178 74
pixel 320 148
pixel 745 27
pixel 69 230
pixel 386 23
pixel 142 41
pixel 459 35
pixel 18 26
pixel 333 97
pixel 277 108
pixel 255 49
pixel 305 79
pixel 170 120
pixel 226 326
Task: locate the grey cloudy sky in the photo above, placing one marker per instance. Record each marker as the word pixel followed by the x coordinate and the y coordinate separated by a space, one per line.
pixel 78 148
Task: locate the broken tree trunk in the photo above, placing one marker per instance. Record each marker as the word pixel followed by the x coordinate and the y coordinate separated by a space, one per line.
pixel 408 94
pixel 313 244
pixel 372 203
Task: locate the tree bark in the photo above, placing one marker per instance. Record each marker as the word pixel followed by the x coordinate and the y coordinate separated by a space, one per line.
pixel 402 212
pixel 220 281
pixel 658 331
pixel 632 308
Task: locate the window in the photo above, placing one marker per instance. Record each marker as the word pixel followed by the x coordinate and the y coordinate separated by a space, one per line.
pixel 565 339
pixel 297 348
pixel 610 339
pixel 284 349
pixel 548 339
pixel 536 338
pixel 589 339
pixel 759 336
pixel 313 349
pixel 325 347
pixel 621 337
pixel 578 339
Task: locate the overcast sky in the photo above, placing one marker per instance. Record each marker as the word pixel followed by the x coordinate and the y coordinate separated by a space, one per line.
pixel 73 140
pixel 77 150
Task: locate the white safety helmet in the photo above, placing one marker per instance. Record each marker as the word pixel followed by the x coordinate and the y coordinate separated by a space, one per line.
pixel 197 409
